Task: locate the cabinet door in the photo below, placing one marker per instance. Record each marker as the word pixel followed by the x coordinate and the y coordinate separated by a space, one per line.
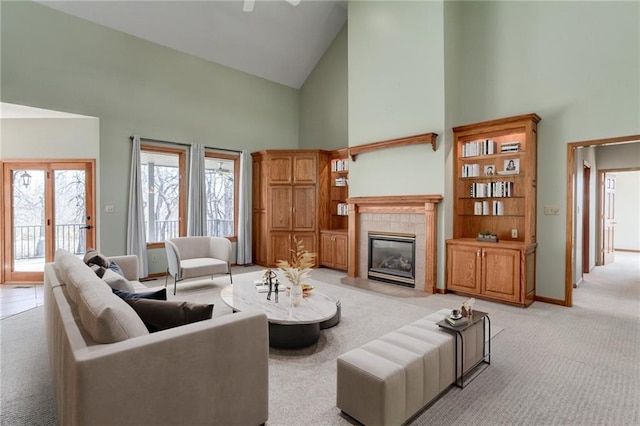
pixel 326 250
pixel 280 247
pixel 280 169
pixel 463 268
pixel 501 274
pixel 280 199
pixel 304 208
pixel 340 252
pixel 305 168
pixel 309 241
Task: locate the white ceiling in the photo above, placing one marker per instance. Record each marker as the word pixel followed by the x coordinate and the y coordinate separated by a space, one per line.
pixel 277 41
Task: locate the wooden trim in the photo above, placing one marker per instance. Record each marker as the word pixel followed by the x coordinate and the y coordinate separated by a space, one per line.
pixel 395 200
pixel 568 256
pixel 426 138
pixel 403 204
pixel 500 122
pixel 552 301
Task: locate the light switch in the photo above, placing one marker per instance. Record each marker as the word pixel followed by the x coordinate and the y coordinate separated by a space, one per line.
pixel 551 210
pixel 109 208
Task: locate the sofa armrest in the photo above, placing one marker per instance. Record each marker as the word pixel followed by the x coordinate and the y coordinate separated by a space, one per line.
pixel 129 265
pixel 209 372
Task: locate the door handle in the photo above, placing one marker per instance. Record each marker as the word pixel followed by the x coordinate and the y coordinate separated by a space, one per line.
pixel 86 227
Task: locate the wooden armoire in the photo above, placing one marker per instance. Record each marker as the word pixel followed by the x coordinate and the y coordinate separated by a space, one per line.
pixel 290 199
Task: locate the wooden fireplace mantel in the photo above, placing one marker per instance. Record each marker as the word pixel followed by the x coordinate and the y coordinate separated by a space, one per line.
pixel 425 138
pixel 400 204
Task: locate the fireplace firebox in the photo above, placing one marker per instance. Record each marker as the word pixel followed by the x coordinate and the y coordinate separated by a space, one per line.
pixel 391 258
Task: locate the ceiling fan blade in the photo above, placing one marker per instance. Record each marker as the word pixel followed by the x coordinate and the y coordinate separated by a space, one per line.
pixel 248 5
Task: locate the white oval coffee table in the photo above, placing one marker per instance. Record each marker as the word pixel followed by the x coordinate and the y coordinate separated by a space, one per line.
pixel 289 327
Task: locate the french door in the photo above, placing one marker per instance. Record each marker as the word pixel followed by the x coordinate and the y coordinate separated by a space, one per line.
pixel 47 205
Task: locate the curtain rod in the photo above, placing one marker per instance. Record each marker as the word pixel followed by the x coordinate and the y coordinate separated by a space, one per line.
pixel 186 144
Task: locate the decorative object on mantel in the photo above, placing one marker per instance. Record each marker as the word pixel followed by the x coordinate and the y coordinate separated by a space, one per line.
pixel 297 270
pixel 394 143
pixel 487 237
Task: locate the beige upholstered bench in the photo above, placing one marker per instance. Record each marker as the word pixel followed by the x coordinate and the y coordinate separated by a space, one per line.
pixel 389 380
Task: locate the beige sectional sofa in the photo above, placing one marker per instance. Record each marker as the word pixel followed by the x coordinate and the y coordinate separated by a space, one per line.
pixel 109 370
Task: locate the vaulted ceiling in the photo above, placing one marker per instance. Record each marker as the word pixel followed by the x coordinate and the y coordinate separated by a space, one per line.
pixel 278 41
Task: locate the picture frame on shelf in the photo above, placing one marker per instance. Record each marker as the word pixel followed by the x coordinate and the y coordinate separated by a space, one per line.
pixel 512 165
pixel 489 170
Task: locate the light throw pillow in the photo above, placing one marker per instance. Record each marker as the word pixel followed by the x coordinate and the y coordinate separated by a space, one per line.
pixel 116 268
pixel 156 295
pixel 163 314
pixel 116 281
pixel 94 257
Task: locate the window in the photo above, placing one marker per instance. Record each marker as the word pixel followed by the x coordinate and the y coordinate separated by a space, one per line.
pixel 221 183
pixel 164 194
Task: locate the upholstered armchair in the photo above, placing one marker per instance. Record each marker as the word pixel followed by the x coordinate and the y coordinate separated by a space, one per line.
pixel 192 257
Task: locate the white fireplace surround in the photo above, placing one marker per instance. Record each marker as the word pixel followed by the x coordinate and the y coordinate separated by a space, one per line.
pixel 411 214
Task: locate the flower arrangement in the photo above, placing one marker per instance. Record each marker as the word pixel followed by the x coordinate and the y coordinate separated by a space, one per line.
pixel 297 269
pixel 301 263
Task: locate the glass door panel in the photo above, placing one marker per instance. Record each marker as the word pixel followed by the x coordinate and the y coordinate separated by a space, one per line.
pixel 28 198
pixel 70 217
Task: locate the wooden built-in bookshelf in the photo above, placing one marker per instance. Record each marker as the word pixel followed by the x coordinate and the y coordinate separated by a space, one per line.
pixel 495 191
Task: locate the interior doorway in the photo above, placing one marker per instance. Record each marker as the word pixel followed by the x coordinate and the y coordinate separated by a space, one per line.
pixel 586 214
pixel 571 200
pixel 46 205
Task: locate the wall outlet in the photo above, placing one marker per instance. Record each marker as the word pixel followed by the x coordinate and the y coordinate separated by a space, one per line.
pixel 514 233
pixel 551 210
pixel 109 208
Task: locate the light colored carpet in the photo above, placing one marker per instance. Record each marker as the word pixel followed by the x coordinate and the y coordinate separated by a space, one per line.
pixel 550 364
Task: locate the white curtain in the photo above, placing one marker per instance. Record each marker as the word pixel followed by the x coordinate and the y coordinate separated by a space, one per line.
pixel 136 241
pixel 197 210
pixel 244 211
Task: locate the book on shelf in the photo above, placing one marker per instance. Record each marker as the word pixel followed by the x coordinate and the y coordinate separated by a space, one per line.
pixel 510 146
pixel 456 322
pixel 482 147
pixel 340 165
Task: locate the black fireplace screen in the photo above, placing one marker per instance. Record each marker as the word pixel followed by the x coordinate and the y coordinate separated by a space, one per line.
pixel 391 258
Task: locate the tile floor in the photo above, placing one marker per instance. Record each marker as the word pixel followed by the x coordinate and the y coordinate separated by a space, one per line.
pixel 19 298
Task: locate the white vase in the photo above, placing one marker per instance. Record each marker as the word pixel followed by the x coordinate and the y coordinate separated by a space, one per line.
pixel 295 294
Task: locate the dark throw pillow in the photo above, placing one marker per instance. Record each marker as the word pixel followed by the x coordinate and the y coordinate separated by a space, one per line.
pixel 94 257
pixel 155 295
pixel 163 314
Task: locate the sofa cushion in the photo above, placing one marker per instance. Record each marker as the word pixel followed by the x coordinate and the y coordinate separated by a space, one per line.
pixel 105 316
pixel 117 281
pixel 94 257
pixel 162 314
pixel 156 295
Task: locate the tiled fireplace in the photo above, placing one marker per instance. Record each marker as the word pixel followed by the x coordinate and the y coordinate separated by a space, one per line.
pixel 399 215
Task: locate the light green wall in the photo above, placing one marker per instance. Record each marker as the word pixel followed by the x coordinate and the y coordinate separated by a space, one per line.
pixel 396 89
pixel 324 100
pixel 575 64
pixel 56 61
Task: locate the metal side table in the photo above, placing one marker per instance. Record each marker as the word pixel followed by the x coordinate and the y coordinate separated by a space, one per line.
pixel 476 317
